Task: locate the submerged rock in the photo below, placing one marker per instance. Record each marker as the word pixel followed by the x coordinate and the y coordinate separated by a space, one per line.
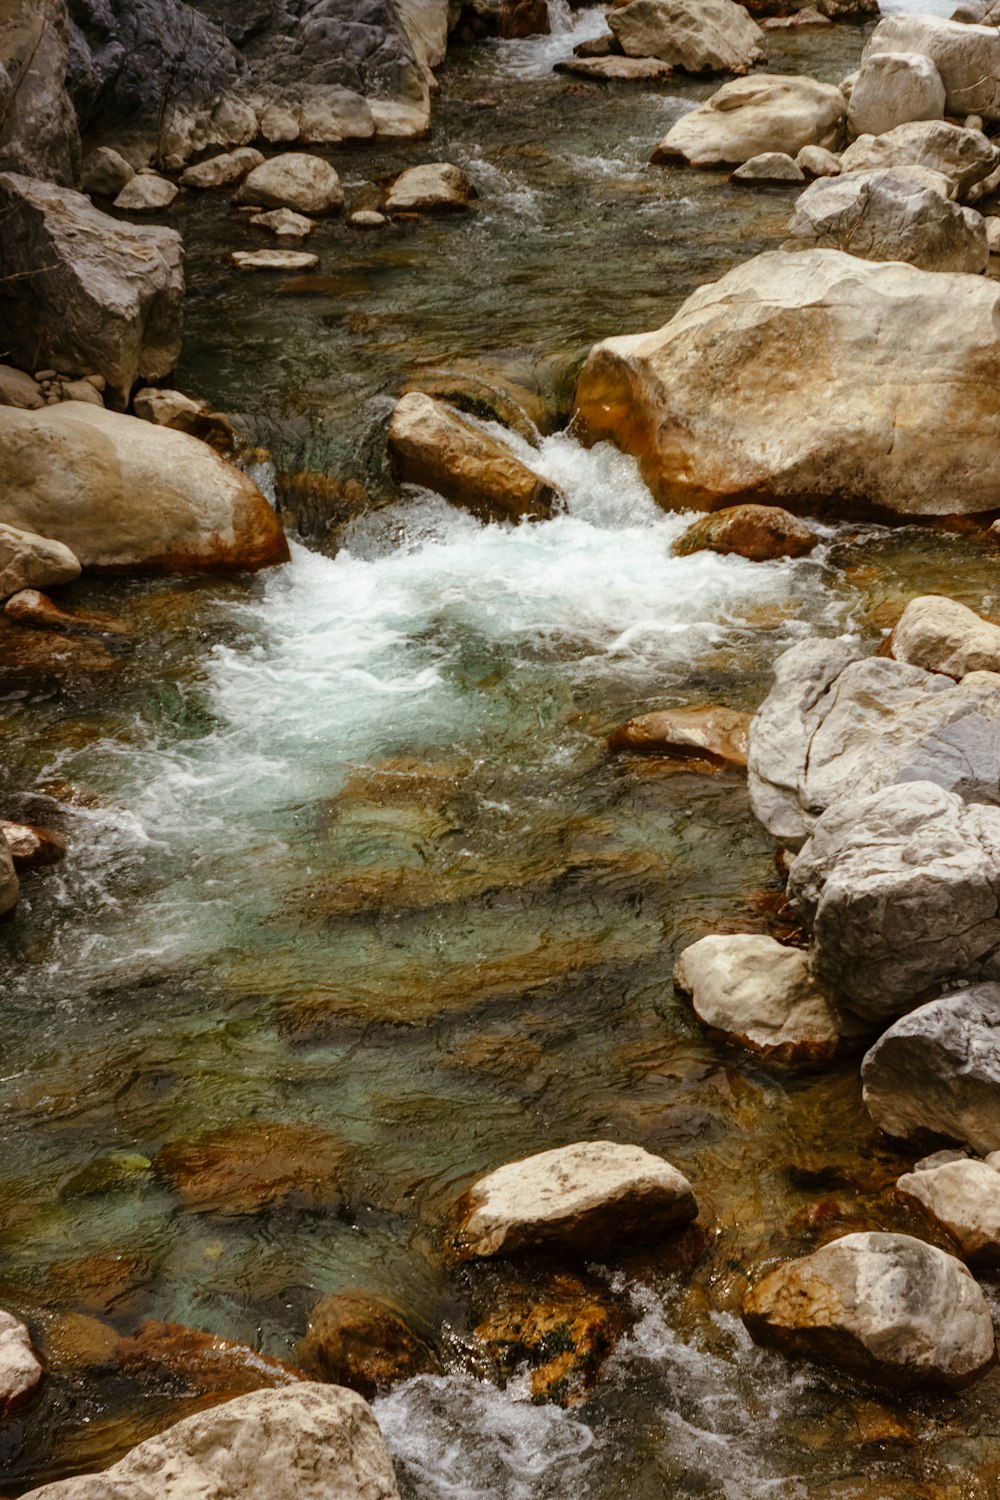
pixel 751 116
pixel 892 88
pixel 21 1371
pixel 247 1169
pixel 894 214
pixel 30 561
pixel 941 635
pixel 125 495
pixel 85 292
pixel 580 1199
pixel 200 1362
pixel 434 187
pixel 697 36
pixel 431 445
pixel 749 990
pixel 964 157
pixel 966 56
pixel 898 889
pixel 934 1075
pixel 731 401
pixel 886 1307
pixel 308 1442
pixel 364 1342
pixel 760 533
pixel 962 1198
pixel 296 180
pixel 718 736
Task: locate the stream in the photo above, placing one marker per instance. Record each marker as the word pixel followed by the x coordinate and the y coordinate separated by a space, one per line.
pixel 348 851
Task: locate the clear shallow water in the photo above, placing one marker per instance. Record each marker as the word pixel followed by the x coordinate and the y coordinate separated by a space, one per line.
pixel 349 853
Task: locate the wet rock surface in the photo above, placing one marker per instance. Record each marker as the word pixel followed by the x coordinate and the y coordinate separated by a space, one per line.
pixel 885 1306
pixel 249 1169
pixel 718 736
pixel 760 533
pixel 962 1198
pixel 364 1342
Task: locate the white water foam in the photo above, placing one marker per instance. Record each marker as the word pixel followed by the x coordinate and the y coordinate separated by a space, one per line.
pixel 455 1438
pixel 536 56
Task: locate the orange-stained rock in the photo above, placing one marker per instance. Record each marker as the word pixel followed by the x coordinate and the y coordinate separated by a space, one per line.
pixel 33 608
pixel 758 532
pixel 100 1282
pixel 76 1343
pixel 563 1330
pixel 718 736
pixel 32 848
pixel 200 1362
pixel 245 1169
pixel 364 1342
pixel 434 447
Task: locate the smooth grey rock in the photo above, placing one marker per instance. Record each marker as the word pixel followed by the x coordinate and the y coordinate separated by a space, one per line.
pixel 816 161
pixel 900 890
pixel 105 172
pixel 963 1198
pixel 892 88
pixel 697 36
pixel 753 992
pixel 833 726
pixel 887 1307
pixel 941 635
pixel 102 295
pixel 965 157
pixel 297 180
pixel 146 192
pixel 750 116
pixel 18 389
pixel 582 1198
pixel 935 1074
pixel 300 1442
pixel 903 213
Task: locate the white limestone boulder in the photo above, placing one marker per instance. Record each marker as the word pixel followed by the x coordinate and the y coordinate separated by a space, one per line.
pixel 892 88
pixel 751 116
pixel 941 635
pixel 964 156
pixel 934 1075
pixel 297 180
pixel 962 1198
pixel 580 1199
pixel 696 36
pixel 812 380
pixel 898 891
pixel 21 1370
pixel 903 214
pixel 302 1442
pixel 966 56
pixel 887 1307
pixel 29 561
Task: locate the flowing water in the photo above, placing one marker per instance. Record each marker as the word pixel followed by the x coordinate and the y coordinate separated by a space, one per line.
pixel 348 852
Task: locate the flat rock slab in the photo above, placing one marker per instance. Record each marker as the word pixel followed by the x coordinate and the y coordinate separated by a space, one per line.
pixel 719 736
pixel 963 1198
pixel 887 1307
pixel 581 1199
pixel 750 991
pixel 305 1442
pixel 274 260
pixel 617 69
pixel 934 1075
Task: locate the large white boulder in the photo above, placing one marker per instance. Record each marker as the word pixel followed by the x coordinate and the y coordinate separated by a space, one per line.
pixel 967 58
pixel 964 156
pixel 751 116
pixel 898 890
pixel 812 380
pixel 892 88
pixel 123 495
pixel 886 1307
pixel 747 989
pixel 901 214
pixel 934 1075
pixel 834 726
pixel 697 36
pixel 302 1442
pixel 84 293
pixel 581 1198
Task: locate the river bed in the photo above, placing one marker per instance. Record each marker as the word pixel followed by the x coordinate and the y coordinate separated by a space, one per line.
pixel 349 852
